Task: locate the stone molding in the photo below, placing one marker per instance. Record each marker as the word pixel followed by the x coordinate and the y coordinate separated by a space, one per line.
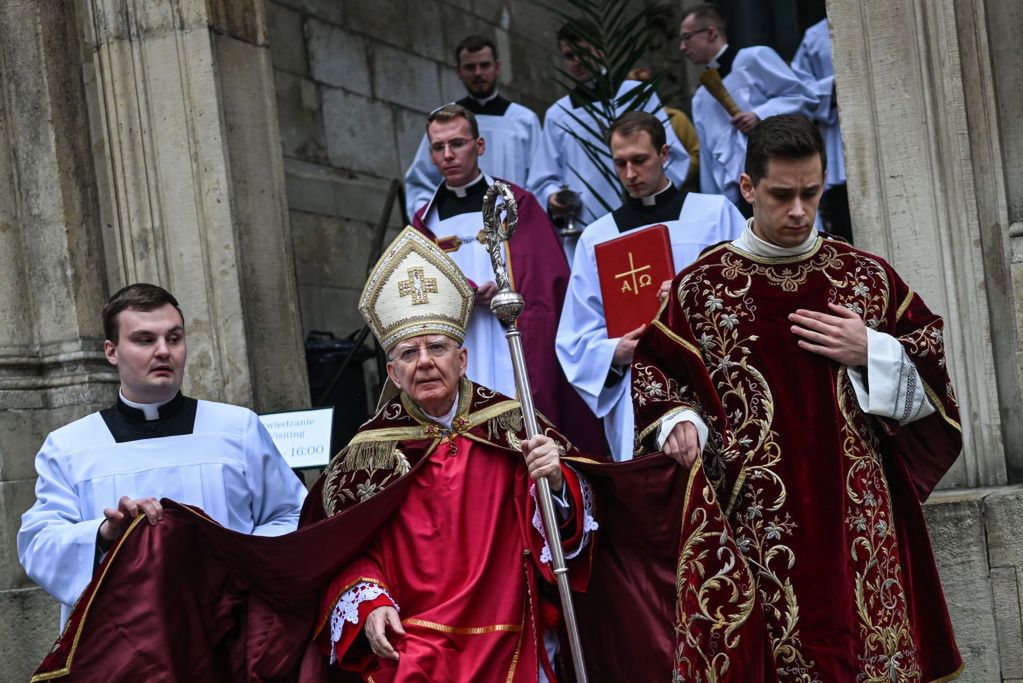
pixel 187 154
pixel 908 78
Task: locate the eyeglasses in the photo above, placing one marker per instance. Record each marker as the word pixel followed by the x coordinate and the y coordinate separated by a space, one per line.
pixel 684 37
pixel 411 353
pixel 455 145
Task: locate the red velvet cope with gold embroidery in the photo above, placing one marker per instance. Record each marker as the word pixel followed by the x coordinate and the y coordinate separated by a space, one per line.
pixel 803 551
pixel 459 554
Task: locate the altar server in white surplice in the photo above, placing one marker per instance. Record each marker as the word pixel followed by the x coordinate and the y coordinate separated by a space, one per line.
pixel 813 64
pixel 512 131
pixel 759 81
pixel 537 267
pixel 598 367
pixel 563 159
pixel 97 474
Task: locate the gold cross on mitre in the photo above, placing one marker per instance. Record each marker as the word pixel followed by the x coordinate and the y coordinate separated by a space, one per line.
pixel 418 286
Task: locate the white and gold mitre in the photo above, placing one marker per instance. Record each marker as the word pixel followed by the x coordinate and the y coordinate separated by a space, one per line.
pixel 415 288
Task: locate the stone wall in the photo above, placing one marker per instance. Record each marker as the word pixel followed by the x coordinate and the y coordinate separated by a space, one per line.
pixel 929 94
pixel 979 553
pixel 355 81
pixel 138 141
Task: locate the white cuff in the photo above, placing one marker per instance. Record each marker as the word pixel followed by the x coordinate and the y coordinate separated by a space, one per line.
pixel 893 388
pixel 347 609
pixel 684 416
pixel 589 523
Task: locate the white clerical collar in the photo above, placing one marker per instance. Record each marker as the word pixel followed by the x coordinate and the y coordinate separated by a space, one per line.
pixel 714 63
pixel 150 410
pixel 749 242
pixel 462 190
pixel 446 419
pixel 490 98
pixel 651 199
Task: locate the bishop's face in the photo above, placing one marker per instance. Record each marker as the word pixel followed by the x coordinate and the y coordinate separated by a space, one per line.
pixel 149 354
pixel 455 151
pixel 427 368
pixel 785 200
pixel 639 165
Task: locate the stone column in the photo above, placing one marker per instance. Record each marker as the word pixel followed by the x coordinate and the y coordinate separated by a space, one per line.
pixel 52 368
pixel 929 94
pixel 191 181
pixel 927 192
pixel 138 141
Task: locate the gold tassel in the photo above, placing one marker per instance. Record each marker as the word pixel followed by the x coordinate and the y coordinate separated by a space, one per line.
pixel 373 455
pixel 511 421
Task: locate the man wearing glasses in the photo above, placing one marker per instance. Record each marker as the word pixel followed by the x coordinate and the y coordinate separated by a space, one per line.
pixel 511 130
pixel 449 586
pixel 758 80
pixel 454 219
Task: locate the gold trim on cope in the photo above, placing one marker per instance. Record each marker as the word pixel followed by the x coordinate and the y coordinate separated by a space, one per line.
pixel 462 630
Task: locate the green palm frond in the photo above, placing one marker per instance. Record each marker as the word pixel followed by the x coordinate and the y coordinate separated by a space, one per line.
pixel 621 36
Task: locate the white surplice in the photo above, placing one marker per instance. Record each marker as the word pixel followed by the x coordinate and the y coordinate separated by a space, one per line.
pixel 228 466
pixel 584 350
pixel 759 81
pixel 562 157
pixel 812 63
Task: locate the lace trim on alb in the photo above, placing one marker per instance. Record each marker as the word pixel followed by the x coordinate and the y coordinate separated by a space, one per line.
pixel 589 523
pixel 347 609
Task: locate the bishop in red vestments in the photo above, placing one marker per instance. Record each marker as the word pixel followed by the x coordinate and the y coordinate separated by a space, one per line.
pixel 451 586
pixel 803 386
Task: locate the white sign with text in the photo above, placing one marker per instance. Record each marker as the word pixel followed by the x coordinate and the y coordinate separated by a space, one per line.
pixel 302 436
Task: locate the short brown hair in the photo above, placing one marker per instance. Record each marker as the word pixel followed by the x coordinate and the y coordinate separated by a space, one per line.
pixel 785 136
pixel 450 112
pixel 708 13
pixel 635 121
pixel 474 43
pixel 140 296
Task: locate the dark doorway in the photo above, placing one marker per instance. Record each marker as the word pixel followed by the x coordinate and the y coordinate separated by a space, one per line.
pixel 779 24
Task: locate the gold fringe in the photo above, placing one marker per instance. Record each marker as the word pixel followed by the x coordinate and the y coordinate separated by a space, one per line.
pixel 510 421
pixel 372 455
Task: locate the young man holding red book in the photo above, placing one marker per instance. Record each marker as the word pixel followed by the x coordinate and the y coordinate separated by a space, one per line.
pixel 598 367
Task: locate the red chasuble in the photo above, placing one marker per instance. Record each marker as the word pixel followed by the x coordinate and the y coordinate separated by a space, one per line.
pixel 539 273
pixel 803 553
pixel 188 600
pixel 459 556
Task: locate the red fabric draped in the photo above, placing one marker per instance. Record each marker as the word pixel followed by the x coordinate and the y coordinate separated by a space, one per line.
pixel 189 600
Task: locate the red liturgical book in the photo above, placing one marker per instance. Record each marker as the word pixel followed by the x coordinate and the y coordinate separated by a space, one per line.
pixel 631 269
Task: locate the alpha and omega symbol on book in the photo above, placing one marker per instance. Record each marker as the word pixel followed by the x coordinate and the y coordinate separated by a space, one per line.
pixel 417 286
pixel 634 278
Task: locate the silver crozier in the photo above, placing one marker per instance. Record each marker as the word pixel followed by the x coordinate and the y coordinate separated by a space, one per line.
pixel 507 304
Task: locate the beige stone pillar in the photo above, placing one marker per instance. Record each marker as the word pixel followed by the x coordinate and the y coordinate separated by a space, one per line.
pixel 927 191
pixel 52 368
pixel 191 181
